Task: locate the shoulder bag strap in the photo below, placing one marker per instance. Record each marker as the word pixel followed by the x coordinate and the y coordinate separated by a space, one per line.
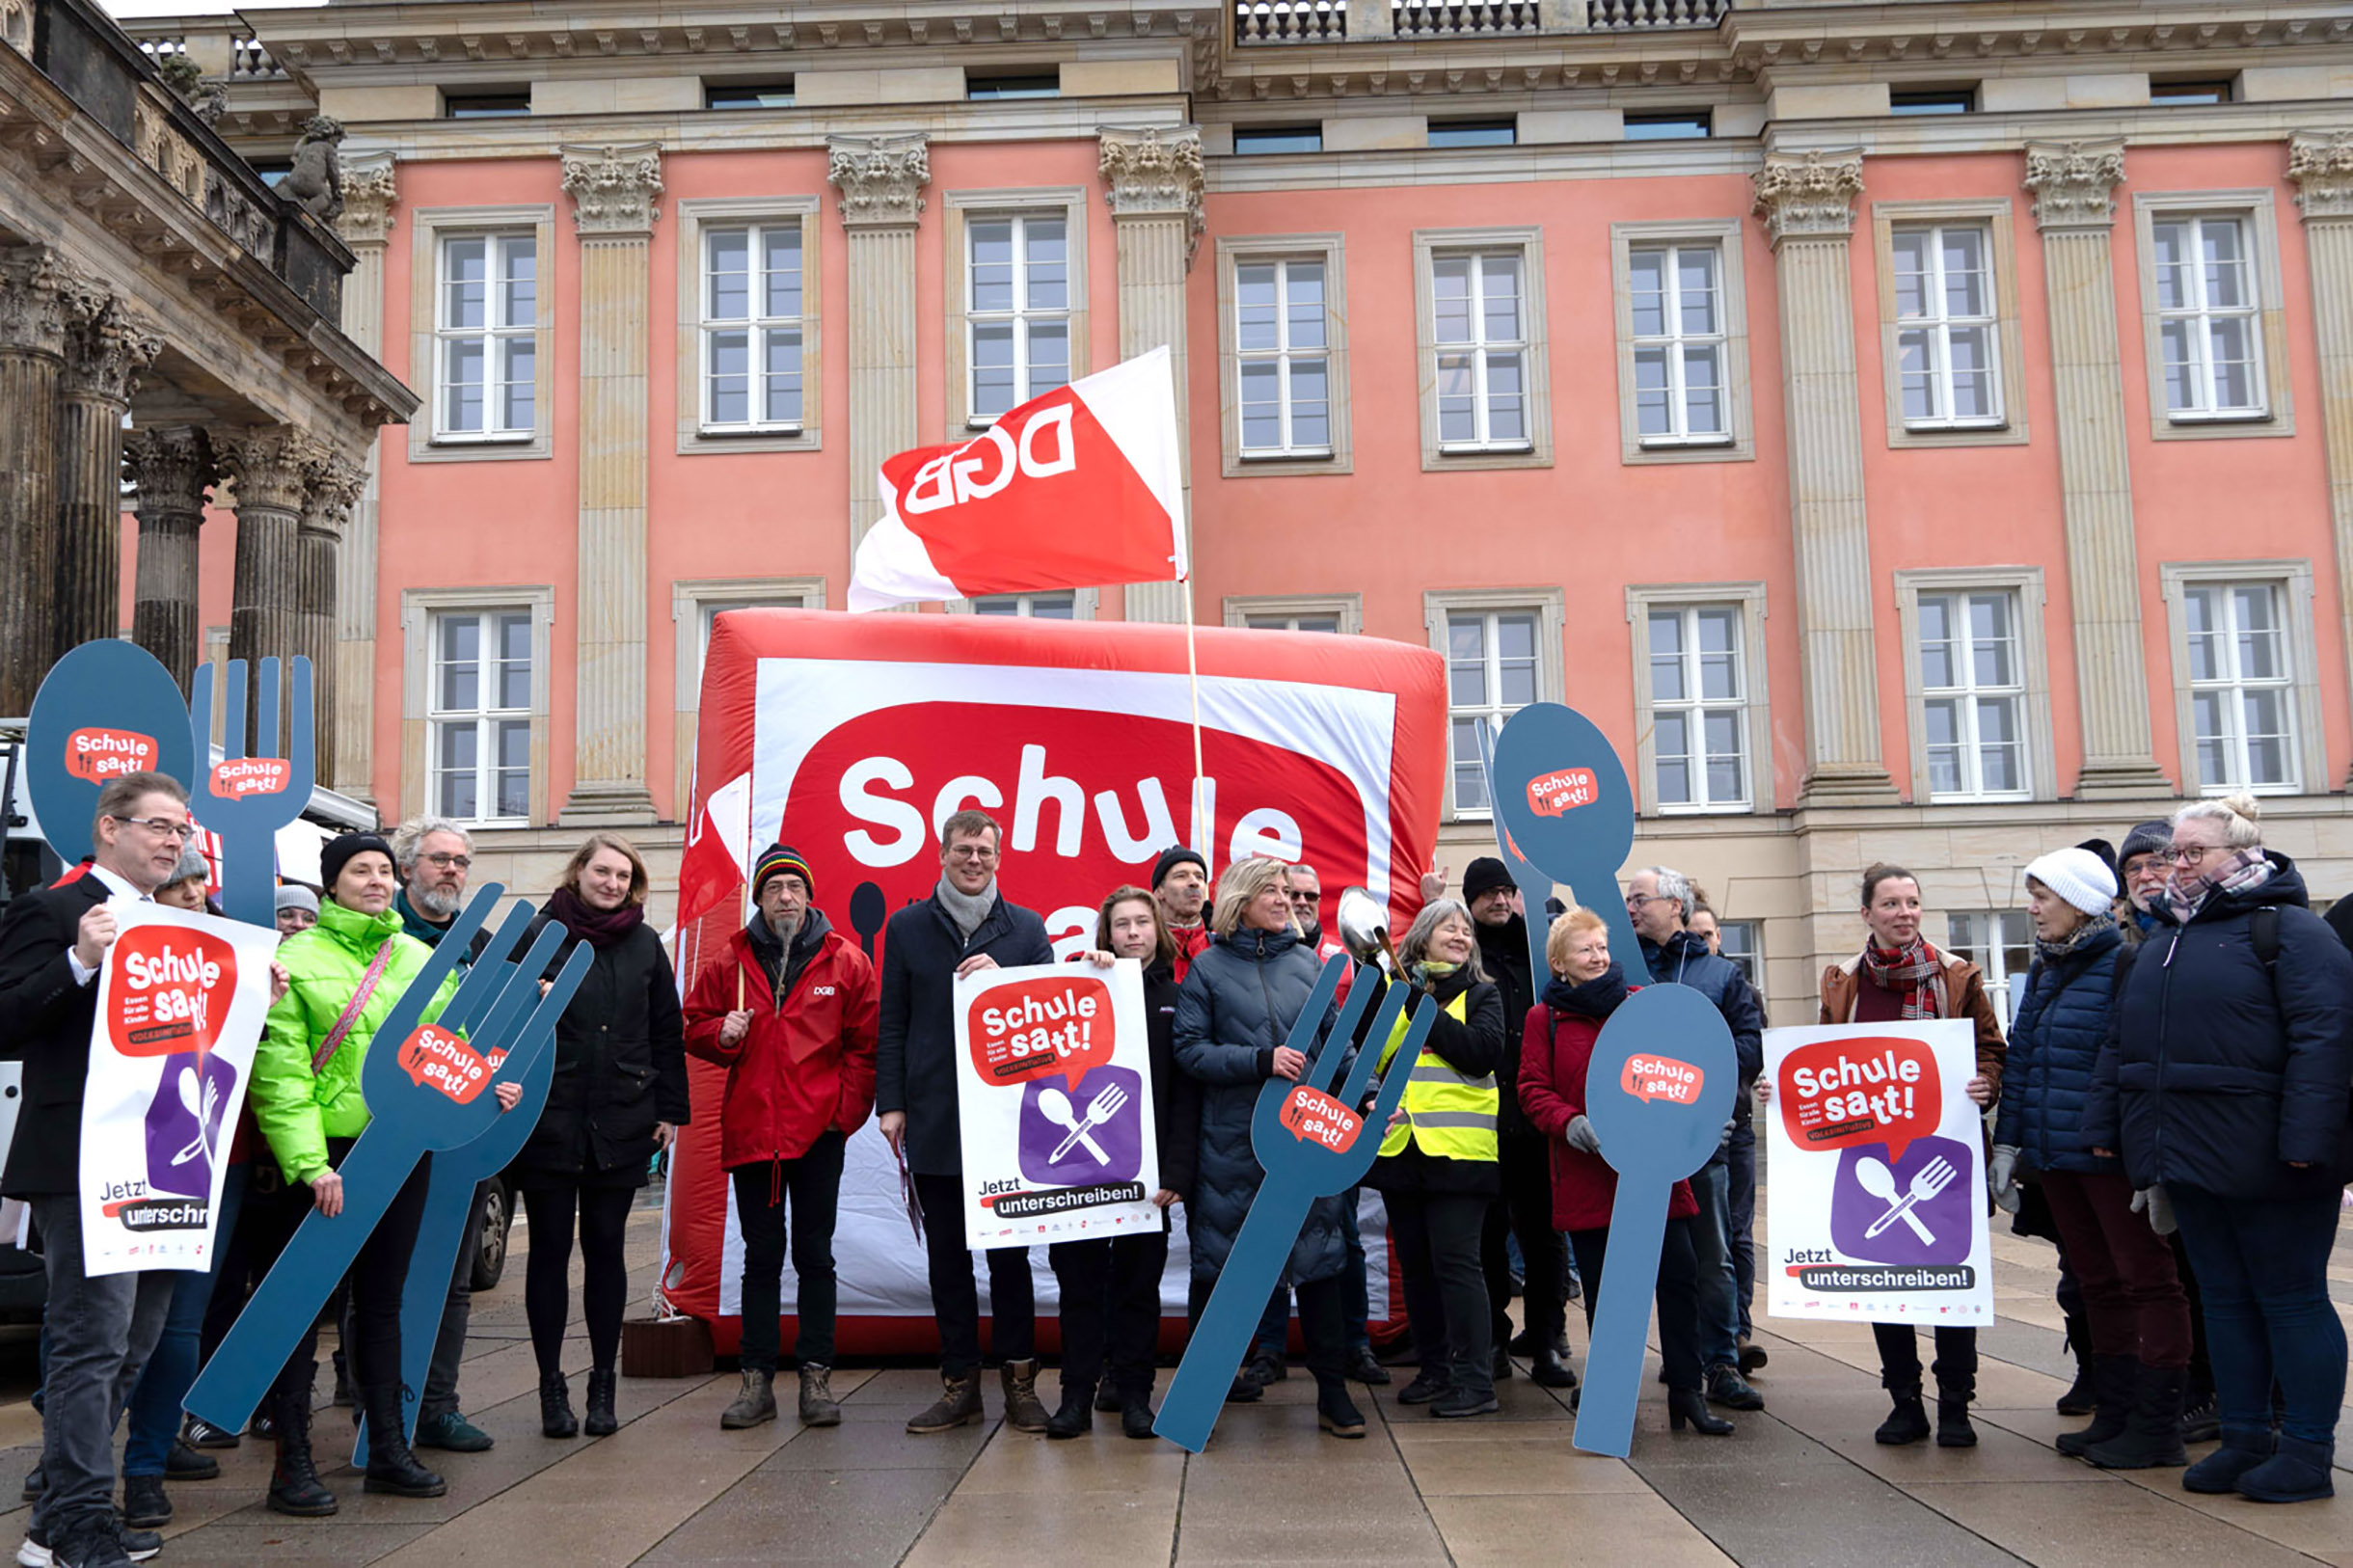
pixel 336 1037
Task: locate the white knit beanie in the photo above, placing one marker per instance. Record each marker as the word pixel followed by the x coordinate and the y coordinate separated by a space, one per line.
pixel 2077 875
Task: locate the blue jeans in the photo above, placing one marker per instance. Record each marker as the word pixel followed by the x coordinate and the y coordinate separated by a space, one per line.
pixel 164 1381
pixel 1719 1318
pixel 2262 1274
pixel 1355 1298
pixel 1741 1157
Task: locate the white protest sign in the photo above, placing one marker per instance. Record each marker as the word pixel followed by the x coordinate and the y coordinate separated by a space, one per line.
pixel 1877 1193
pixel 1054 1093
pixel 181 999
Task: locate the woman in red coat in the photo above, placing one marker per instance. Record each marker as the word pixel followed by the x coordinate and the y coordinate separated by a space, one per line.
pixel 1586 986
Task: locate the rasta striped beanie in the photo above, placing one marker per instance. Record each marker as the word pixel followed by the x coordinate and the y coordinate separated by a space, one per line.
pixel 775 861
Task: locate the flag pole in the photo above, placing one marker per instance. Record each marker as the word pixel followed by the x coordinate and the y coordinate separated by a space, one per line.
pixel 1192 670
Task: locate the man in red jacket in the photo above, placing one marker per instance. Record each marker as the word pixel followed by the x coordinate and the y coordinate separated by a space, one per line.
pixel 789 1010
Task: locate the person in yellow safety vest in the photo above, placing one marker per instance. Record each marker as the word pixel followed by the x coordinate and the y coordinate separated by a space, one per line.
pixel 1437 1170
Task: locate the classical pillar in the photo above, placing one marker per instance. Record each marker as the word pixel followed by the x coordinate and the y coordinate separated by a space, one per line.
pixel 105 350
pixel 171 468
pixel 334 484
pixel 366 226
pixel 615 193
pixel 2322 168
pixel 33 287
pixel 1156 181
pixel 272 468
pixel 1808 203
pixel 2074 185
pixel 880 181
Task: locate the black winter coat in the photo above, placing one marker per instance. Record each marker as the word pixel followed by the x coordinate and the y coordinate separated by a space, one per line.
pixel 1502 951
pixel 2216 1074
pixel 1684 960
pixel 915 1035
pixel 1473 1046
pixel 2054 1050
pixel 620 1067
pixel 44 1023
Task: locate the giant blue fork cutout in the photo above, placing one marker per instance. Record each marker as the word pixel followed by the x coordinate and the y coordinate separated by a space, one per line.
pixel 428 1090
pixel 247 797
pixel 1312 1143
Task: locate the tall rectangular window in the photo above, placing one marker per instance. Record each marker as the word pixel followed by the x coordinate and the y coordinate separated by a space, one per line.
pixel 1017 286
pixel 1678 344
pixel 2242 697
pixel 2208 318
pixel 1282 358
pixel 485 329
pixel 1492 672
pixel 1741 944
pixel 1973 695
pixel 1698 706
pixel 2000 942
pixel 479 721
pixel 1477 310
pixel 1945 326
pixel 752 327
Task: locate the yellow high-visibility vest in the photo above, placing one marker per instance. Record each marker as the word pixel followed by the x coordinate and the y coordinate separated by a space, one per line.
pixel 1447 1114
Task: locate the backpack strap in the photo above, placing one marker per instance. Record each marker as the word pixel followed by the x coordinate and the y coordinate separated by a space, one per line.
pixel 2263 929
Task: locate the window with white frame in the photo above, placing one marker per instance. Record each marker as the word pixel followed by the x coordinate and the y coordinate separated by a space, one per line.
pixel 2208 318
pixel 1478 313
pixel 1973 695
pixel 1043 607
pixel 1741 944
pixel 1678 344
pixel 1328 621
pixel 707 613
pixel 2242 698
pixel 751 327
pixel 1281 354
pixel 486 320
pixel 1699 702
pixel 1493 671
pixel 1946 328
pixel 2000 942
pixel 479 720
pixel 1017 311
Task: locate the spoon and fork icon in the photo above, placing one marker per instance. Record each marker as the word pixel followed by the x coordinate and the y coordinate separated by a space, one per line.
pixel 1055 1107
pixel 1877 1179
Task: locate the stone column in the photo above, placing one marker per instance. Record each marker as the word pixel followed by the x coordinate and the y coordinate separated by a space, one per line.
pixel 880 181
pixel 366 226
pixel 1155 182
pixel 2074 185
pixel 33 287
pixel 2322 168
pixel 615 193
pixel 105 350
pixel 272 468
pixel 1808 203
pixel 334 484
pixel 171 466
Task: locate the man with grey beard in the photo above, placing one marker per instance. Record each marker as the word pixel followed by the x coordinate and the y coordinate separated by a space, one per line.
pixel 433 855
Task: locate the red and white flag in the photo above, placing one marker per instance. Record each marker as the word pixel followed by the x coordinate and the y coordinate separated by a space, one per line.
pixel 1075 489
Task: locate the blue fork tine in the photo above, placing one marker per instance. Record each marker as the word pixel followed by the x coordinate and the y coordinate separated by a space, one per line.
pixel 1302 1036
pixel 299 746
pixel 481 984
pixel 1323 1070
pixel 265 722
pixel 521 982
pixel 233 734
pixel 1385 1024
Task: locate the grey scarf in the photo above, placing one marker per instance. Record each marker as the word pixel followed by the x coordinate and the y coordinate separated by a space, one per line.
pixel 967 910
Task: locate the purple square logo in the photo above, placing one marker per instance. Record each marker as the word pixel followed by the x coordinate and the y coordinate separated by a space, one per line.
pixel 1083 1136
pixel 1911 1209
pixel 184 1122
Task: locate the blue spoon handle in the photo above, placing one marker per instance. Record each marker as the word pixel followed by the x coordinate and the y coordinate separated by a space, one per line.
pixel 1630 1278
pixel 1221 1337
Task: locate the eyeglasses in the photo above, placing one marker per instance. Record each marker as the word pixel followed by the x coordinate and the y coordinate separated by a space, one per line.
pixel 973 851
pixel 2186 855
pixel 445 861
pixel 163 828
pixel 1635 901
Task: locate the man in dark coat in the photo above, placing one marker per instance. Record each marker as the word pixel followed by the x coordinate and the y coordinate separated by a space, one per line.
pixel 963 927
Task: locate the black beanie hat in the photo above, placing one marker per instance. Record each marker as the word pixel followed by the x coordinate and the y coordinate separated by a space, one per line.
pixel 2145 839
pixel 337 853
pixel 1485 875
pixel 1175 856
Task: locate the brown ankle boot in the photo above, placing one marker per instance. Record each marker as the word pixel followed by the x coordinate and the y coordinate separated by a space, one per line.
pixel 958 1402
pixel 1023 1412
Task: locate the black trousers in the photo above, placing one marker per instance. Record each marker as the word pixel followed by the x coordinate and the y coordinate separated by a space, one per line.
pixel 1955 1368
pixel 1111 1296
pixel 1437 1235
pixel 375 1282
pixel 1524 1210
pixel 810 1188
pixel 602 1216
pixel 1678 1296
pixel 956 1300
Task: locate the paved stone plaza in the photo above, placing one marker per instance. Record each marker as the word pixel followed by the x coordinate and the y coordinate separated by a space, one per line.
pixel 1799 1485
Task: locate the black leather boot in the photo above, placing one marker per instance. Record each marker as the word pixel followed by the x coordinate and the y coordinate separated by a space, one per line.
pixel 1907 1421
pixel 2112 1381
pixel 1688 1406
pixel 390 1465
pixel 556 1417
pixel 295 1484
pixel 600 1421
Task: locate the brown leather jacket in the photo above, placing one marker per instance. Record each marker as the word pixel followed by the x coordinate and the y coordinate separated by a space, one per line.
pixel 1964 988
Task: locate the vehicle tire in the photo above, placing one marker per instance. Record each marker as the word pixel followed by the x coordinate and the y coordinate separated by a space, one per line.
pixel 497 1217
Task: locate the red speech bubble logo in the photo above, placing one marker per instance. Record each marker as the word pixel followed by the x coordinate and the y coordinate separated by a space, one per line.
pixel 252 775
pixel 171 993
pixel 98 756
pixel 1661 1077
pixel 1315 1118
pixel 434 1056
pixel 1028 1028
pixel 1872 1089
pixel 1555 795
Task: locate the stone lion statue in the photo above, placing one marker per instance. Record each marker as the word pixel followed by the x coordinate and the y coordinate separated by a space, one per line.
pixel 316 184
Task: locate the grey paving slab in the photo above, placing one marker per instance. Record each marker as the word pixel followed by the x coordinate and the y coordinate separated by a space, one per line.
pixel 782 1514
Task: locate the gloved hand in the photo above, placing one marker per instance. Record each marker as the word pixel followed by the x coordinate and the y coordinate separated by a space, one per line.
pixel 2002 1178
pixel 2158 1207
pixel 1580 1135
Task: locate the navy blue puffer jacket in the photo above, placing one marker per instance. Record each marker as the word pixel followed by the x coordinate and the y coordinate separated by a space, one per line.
pixel 2217 1074
pixel 2054 1050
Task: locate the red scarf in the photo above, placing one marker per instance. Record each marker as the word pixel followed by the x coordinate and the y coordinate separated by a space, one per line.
pixel 1912 972
pixel 599 929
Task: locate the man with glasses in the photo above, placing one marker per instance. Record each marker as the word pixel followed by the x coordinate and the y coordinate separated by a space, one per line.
pixel 2142 865
pixel 101 1329
pixel 433 855
pixel 965 925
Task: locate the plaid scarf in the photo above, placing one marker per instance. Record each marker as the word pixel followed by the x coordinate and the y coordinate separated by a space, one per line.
pixel 2052 951
pixel 2245 871
pixel 1913 971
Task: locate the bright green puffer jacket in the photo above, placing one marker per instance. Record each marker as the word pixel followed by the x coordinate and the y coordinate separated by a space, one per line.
pixel 297 1110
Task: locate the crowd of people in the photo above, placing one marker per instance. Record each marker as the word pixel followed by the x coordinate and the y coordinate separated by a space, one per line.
pixel 2169 1106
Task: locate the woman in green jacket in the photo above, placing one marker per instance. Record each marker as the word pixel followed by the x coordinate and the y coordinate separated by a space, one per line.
pixel 347 973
